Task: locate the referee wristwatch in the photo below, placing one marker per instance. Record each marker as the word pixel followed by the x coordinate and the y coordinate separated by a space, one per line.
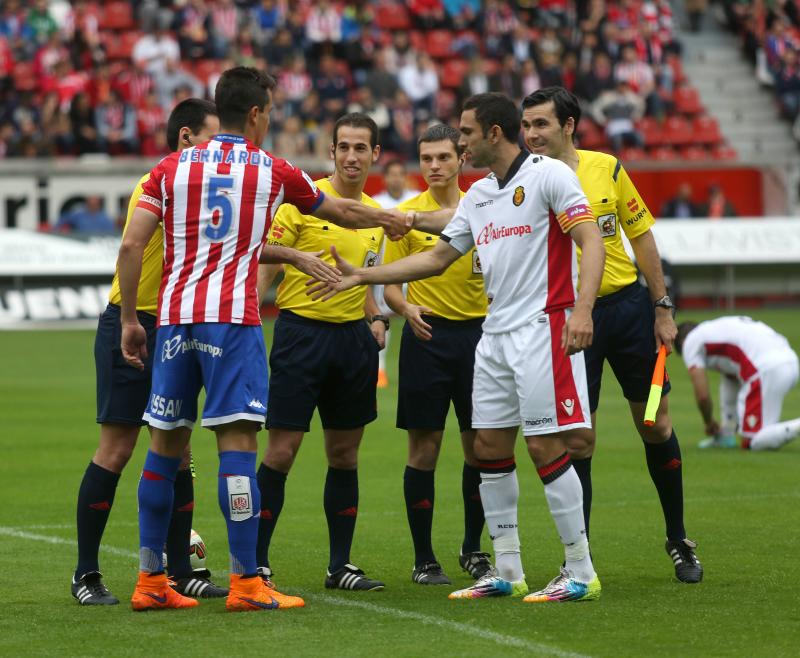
pixel 665 302
pixel 380 318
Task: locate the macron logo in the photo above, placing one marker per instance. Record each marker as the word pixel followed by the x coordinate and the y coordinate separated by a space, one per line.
pixel 569 406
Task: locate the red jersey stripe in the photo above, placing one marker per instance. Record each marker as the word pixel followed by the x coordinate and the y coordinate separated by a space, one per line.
pixel 568 404
pixel 560 291
pixel 735 354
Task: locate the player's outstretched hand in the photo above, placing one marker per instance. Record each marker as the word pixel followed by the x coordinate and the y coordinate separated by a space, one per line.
pixel 413 314
pixel 134 345
pixel 323 290
pixel 402 223
pixel 309 262
pixel 577 333
pixel 665 329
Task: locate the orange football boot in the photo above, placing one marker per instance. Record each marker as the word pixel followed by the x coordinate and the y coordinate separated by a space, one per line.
pixel 253 594
pixel 153 592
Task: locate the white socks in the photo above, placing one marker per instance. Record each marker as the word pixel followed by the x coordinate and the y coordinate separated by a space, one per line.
pixel 499 495
pixel 774 436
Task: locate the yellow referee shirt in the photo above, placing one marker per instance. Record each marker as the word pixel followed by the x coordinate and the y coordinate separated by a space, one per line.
pixel 152 263
pixel 457 294
pixel 618 207
pixel 308 233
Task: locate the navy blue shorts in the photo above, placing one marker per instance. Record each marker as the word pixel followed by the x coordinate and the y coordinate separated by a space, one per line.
pixel 433 373
pixel 122 390
pixel 623 335
pixel 330 366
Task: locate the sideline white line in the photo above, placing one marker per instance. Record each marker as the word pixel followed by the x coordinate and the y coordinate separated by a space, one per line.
pixel 466 629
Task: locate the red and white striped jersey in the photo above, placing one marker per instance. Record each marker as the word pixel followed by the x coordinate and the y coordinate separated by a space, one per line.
pixel 216 202
pixel 520 227
pixel 737 346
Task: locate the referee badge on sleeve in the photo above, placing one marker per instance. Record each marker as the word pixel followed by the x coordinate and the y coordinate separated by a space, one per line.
pixel 608 225
pixel 371 259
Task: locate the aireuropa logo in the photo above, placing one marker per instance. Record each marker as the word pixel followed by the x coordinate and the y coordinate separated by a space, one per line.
pixel 489 232
pixel 177 345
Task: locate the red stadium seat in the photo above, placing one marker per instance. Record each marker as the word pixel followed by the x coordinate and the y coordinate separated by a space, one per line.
pixel 674 62
pixel 677 131
pixel 652 131
pixel 439 44
pixel 417 40
pixel 120 46
pixel 394 16
pixel 663 154
pixel 694 154
pixel 705 130
pixel 590 136
pixel 687 101
pixel 632 154
pixel 724 153
pixel 203 69
pixel 453 73
pixel 117 16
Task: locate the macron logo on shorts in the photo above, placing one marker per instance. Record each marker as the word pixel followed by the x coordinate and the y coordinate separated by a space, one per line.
pixel 569 406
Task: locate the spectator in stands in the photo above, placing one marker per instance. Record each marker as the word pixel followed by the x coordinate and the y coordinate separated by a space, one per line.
pixel 173 78
pixel 331 86
pixel 529 77
pixel 134 83
pixel 522 43
pixel 154 12
pixel 617 110
pixel 402 135
pixel 507 79
pixel 420 81
pixel 427 14
pixel 193 24
pixel 296 82
pixel 717 205
pixel 640 78
pixel 151 119
pixel 312 110
pixel 281 50
pixel 380 81
pixel 777 43
pixel 116 125
pixel 548 43
pixel 6 64
pixel 550 70
pixel 267 19
pixel 497 22
pixel 476 81
pixel 225 22
pixel 87 217
pixel 365 103
pixel 323 27
pixel 41 22
pixel 395 178
pixel 787 84
pixel 47 56
pixel 587 50
pixel 400 53
pixel 322 136
pixel 153 50
pixel 68 83
pixel 681 205
pixel 57 134
pixel 292 141
pixel 84 125
pixel 589 85
pixel 14 27
pixel 462 14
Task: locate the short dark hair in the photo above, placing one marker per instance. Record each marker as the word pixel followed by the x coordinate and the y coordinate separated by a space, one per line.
pixel 683 330
pixel 442 133
pixel 565 103
pixel 238 90
pixel 495 109
pixel 357 120
pixel 190 113
pixel 394 162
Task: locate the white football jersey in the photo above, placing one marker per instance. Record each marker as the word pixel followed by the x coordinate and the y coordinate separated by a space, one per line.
pixel 737 346
pixel 520 227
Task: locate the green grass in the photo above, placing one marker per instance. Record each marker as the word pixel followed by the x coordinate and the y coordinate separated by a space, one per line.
pixel 741 507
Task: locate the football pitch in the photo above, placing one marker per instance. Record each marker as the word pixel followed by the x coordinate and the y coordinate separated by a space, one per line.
pixel 742 508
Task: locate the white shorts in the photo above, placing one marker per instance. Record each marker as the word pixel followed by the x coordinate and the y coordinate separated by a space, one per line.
pixel 523 377
pixel 760 399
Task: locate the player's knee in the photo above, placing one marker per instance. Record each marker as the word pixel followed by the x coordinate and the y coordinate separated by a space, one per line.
pixel 580 443
pixel 343 457
pixel 659 432
pixel 423 452
pixel 116 446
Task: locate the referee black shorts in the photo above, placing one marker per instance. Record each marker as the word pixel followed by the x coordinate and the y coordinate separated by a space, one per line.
pixel 623 335
pixel 330 366
pixel 433 373
pixel 122 390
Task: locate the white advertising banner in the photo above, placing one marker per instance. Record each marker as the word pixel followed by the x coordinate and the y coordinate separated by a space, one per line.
pixel 28 253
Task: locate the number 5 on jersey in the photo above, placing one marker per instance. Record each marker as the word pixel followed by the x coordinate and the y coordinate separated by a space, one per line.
pixel 219 203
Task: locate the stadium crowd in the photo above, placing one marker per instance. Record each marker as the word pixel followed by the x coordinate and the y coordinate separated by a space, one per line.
pixel 86 77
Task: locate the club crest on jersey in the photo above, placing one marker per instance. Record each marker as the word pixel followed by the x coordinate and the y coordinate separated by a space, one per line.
pixel 607 225
pixel 519 195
